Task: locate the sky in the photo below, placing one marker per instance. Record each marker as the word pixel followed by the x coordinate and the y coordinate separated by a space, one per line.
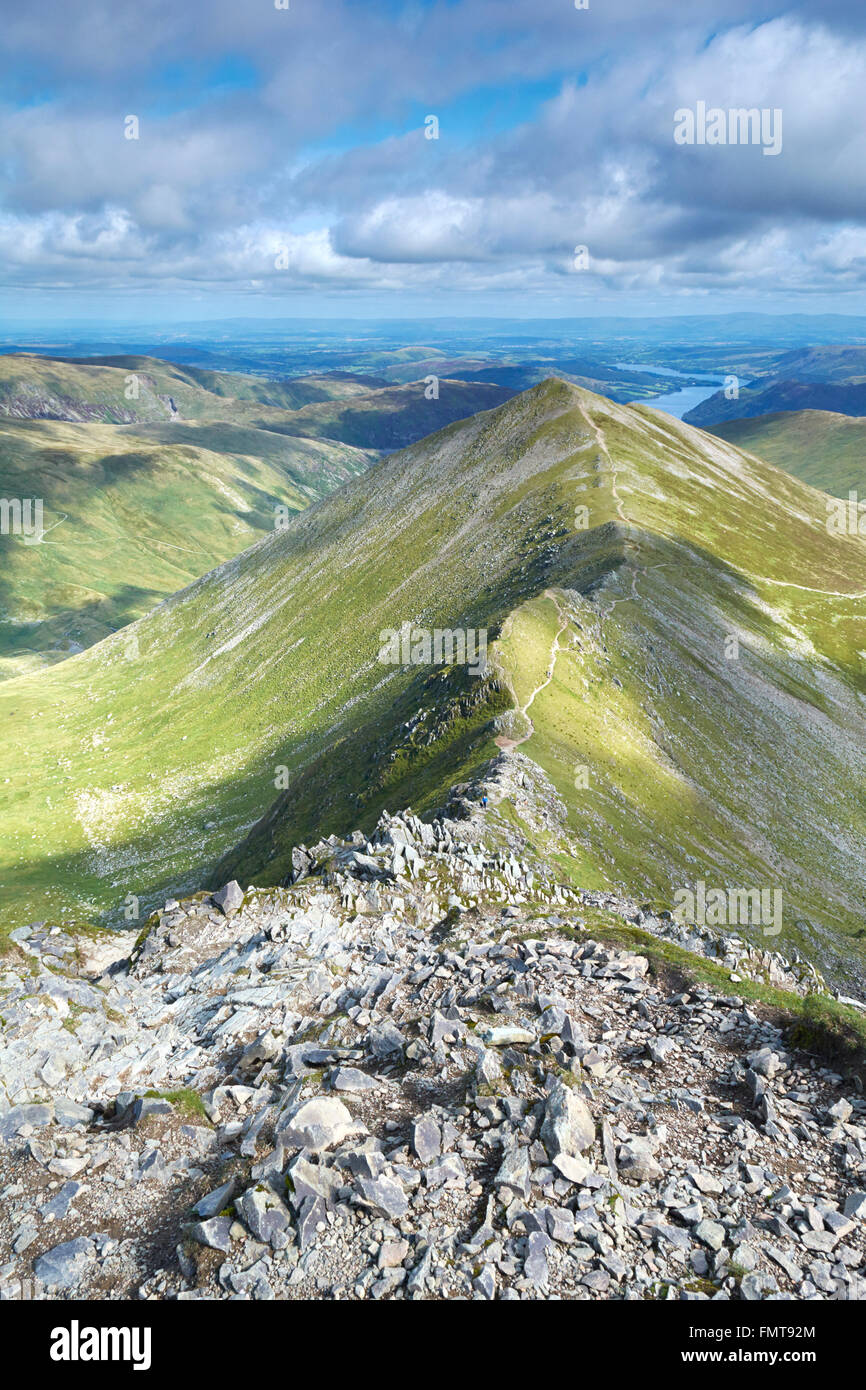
pixel 283 165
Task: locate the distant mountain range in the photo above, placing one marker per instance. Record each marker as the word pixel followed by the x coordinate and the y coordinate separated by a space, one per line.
pixel 125 390
pixel 823 378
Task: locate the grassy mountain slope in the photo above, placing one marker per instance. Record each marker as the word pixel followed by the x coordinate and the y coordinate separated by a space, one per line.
pixel 826 450
pixel 99 389
pixel 363 411
pixel 135 766
pixel 131 517
pixel 187 476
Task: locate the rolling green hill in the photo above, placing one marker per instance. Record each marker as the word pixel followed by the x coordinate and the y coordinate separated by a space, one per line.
pixel 131 514
pixel 127 390
pixel 363 411
pixel 157 760
pixel 826 450
pixel 187 473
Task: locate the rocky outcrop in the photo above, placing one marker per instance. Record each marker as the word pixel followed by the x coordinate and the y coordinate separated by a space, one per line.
pixel 413 1073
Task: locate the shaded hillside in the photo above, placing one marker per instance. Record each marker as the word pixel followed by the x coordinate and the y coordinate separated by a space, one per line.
pixel 131 517
pixel 394 416
pixel 780 395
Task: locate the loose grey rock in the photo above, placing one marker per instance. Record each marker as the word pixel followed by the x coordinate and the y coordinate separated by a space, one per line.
pixel 568 1126
pixel 385 1195
pixel 352 1079
pixel 214 1202
pixel 482 1175
pixel 426 1138
pixel 65 1266
pixel 229 898
pixel 711 1233
pixel 264 1215
pixel 535 1264
pixel 637 1162
pixel 318 1124
pixel 215 1233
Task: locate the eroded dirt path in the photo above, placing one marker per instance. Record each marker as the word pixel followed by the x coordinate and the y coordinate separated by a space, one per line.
pixel 508 743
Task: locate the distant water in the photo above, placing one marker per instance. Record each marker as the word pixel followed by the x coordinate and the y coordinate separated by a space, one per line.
pixel 681 401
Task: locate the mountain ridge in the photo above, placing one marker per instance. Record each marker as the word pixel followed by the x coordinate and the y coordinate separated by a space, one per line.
pixel 690 542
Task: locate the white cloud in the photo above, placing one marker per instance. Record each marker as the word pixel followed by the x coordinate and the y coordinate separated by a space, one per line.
pixel 228 175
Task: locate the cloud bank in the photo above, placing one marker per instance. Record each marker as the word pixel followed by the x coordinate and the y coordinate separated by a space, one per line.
pixel 286 151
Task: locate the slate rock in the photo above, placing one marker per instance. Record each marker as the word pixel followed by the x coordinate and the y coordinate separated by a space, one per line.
pixel 535 1263
pixel 426 1138
pixel 637 1162
pixel 229 898
pixel 385 1195
pixel 68 1113
pixel 710 1233
pixel 214 1233
pixel 568 1126
pixel 385 1039
pixel 65 1265
pixel 216 1201
pixel 264 1215
pixel 36 1116
pixel 352 1079
pixel 515 1169
pixel 318 1124
pixel 58 1207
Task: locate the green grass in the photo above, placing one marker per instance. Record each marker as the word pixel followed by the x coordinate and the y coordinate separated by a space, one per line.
pixel 102 390
pixel 157 772
pixel 148 485
pixel 129 520
pixel 822 449
pixel 187 1102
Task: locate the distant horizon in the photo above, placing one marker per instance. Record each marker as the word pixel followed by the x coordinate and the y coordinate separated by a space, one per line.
pixel 9 325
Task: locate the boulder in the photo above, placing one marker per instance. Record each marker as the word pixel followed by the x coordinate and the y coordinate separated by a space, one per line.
pixel 568 1126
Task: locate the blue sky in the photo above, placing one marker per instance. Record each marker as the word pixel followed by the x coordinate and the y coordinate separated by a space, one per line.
pixel 281 165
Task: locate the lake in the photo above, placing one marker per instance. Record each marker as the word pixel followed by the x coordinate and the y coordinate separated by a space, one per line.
pixel 685 398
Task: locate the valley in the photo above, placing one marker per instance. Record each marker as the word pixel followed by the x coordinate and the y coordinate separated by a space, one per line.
pixel 150 474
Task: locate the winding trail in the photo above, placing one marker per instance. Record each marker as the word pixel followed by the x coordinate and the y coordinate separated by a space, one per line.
pixel 602 444
pixel 507 744
pixel 804 588
pixel 503 742
pixel 620 511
